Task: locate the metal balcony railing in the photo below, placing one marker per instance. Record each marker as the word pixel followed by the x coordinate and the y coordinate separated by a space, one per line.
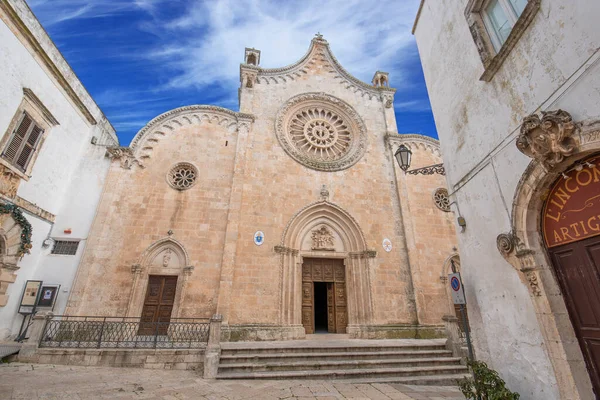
pixel 64 331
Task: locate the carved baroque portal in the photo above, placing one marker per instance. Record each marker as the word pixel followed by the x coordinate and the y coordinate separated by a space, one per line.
pixel 322 239
pixel 548 139
pixel 321 132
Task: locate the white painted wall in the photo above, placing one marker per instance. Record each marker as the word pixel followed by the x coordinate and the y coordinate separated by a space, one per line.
pixel 68 176
pixel 477 124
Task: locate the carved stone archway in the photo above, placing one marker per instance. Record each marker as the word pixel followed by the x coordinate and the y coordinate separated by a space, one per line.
pixel 10 253
pixel 348 243
pixel 164 257
pixel 556 144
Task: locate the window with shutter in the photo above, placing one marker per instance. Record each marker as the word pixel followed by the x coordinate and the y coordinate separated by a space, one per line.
pixel 23 143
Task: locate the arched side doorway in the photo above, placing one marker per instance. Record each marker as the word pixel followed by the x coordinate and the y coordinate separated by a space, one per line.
pixel 324 253
pixel 525 247
pixel 159 281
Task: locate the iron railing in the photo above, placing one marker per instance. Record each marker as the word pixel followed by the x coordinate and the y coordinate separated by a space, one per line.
pixel 124 332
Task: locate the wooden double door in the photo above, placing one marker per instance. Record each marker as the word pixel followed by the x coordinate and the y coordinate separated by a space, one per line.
pixel 577 267
pixel 324 301
pixel 158 305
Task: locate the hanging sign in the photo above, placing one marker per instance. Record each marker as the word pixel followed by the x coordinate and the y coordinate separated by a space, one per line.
pixel 387 245
pixel 259 238
pixel 456 288
pixel 571 212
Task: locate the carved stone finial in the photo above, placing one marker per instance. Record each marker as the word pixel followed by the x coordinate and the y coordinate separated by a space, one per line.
pixel 548 139
pixel 318 36
pixel 124 154
pixel 381 79
pixel 322 239
pixel 324 193
pixel 170 232
pixel 252 56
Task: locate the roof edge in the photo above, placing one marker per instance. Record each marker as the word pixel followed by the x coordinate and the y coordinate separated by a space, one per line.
pixel 417 17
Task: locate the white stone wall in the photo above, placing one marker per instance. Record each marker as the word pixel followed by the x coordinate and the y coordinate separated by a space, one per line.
pixel 68 175
pixel 553 65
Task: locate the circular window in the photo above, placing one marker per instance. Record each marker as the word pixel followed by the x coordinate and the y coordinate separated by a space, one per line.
pixel 182 176
pixel 441 199
pixel 321 132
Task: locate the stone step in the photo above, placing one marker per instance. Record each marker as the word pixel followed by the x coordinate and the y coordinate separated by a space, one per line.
pixel 330 349
pixel 429 380
pixel 349 373
pixel 312 365
pixel 353 355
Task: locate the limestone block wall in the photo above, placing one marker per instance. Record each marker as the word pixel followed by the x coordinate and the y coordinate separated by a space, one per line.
pixel 139 208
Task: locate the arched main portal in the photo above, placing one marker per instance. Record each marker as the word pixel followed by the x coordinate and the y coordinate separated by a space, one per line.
pixel 323 243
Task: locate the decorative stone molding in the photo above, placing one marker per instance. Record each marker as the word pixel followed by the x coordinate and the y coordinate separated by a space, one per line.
pixel 9 182
pixel 324 193
pixel 285 250
pixel 363 254
pixel 492 60
pixel 549 139
pixel 248 76
pixel 534 284
pixel 387 99
pixel 188 269
pixel 506 243
pixel 322 239
pixel 413 142
pixel 319 53
pixel 321 132
pixel 124 155
pixel 146 139
pixel 136 269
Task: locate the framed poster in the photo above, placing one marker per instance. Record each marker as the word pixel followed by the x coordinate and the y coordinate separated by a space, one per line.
pixel 30 295
pixel 48 296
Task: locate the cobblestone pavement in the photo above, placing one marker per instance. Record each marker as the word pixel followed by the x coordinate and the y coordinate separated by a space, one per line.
pixel 48 382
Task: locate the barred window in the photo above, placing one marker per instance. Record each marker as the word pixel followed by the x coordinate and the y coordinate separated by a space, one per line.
pixel 66 247
pixel 23 142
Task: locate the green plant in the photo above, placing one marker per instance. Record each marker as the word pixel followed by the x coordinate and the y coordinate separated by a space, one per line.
pixel 486 384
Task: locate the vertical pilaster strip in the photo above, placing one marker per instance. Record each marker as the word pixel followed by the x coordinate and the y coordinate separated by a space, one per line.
pixel 233 217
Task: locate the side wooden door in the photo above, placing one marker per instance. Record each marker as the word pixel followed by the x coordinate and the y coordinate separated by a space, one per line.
pixel 158 305
pixel 577 267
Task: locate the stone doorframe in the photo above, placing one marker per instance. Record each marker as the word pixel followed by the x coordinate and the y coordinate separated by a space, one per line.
pixel 180 267
pixel 354 252
pixel 525 250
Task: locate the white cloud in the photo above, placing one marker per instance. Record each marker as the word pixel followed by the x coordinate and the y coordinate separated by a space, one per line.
pixel 205 45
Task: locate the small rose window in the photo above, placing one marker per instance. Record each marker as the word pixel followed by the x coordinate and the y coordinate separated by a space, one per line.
pixel 182 176
pixel 440 197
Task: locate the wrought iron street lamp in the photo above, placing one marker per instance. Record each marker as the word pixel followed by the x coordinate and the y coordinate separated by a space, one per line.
pixel 403 155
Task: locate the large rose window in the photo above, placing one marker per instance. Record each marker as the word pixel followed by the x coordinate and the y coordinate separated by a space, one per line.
pixel 321 132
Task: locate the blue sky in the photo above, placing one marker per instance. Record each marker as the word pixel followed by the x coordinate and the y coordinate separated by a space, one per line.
pixel 140 58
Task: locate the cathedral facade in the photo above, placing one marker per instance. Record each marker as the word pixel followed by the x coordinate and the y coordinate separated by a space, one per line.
pixel 287 218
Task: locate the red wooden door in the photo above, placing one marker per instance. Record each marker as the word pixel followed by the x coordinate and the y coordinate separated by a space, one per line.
pixel 158 305
pixel 578 269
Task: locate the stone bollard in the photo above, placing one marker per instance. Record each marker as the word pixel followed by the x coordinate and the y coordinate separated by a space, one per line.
pixel 29 349
pixel 212 355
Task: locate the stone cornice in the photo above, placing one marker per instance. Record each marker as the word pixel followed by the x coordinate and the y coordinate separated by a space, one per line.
pixel 144 141
pixel 31 31
pixel 300 67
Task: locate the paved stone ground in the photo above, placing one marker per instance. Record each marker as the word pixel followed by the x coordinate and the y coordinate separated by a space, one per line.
pixel 50 382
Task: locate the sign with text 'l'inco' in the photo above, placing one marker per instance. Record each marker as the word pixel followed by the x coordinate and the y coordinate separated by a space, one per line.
pixel 456 288
pixel 572 209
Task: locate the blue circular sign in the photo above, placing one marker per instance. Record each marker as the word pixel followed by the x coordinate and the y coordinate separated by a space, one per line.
pixel 455 283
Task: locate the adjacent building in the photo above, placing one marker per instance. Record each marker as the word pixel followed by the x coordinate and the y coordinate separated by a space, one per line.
pixel 288 217
pixel 53 140
pixel 515 91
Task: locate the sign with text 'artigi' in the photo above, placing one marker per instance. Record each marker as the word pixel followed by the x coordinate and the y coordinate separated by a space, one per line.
pixel 572 209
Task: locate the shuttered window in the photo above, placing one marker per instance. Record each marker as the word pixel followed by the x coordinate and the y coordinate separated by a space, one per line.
pixel 23 143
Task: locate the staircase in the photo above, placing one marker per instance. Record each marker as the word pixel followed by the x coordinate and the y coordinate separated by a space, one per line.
pixel 408 361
